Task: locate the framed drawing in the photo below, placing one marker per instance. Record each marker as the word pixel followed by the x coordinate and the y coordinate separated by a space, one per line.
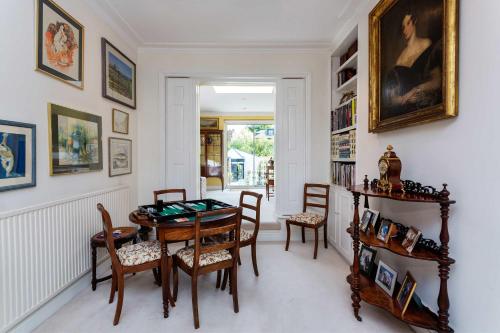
pixel 17 155
pixel 209 123
pixel 120 121
pixel 59 44
pixel 120 156
pixel 118 75
pixel 75 143
pixel 413 63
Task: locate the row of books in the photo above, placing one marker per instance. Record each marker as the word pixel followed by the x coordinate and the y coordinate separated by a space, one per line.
pixel 343 174
pixel 345 75
pixel 344 116
pixel 344 145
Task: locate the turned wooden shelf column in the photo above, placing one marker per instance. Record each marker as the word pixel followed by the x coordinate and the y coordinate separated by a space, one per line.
pixel 364 289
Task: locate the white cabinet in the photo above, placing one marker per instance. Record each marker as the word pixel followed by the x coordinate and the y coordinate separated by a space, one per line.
pixel 340 216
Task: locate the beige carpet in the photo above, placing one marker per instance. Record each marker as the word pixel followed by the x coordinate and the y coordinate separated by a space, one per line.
pixel 293 294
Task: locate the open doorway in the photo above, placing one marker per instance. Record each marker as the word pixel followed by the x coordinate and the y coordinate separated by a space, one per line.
pixel 237 130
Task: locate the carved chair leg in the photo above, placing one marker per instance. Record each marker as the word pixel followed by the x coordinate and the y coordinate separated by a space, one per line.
pixel 303 235
pixel 121 285
pixel 219 277
pixel 234 288
pixel 94 264
pixel 254 259
pixel 325 234
pixel 194 299
pixel 239 261
pixel 315 242
pixel 287 236
pixel 157 276
pixel 224 280
pixel 176 280
pixel 114 283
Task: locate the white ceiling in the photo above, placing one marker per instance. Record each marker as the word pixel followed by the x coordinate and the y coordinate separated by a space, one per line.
pixel 278 23
pixel 212 103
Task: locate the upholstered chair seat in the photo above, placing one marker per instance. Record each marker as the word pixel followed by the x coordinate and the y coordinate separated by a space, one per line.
pixel 307 217
pixel 245 235
pixel 136 254
pixel 186 254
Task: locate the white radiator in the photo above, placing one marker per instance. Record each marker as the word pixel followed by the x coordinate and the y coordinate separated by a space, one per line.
pixel 45 248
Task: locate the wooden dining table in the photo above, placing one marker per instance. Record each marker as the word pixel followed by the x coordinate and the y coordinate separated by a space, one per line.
pixel 168 232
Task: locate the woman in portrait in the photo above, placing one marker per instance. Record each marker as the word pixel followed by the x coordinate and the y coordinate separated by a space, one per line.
pixel 414 83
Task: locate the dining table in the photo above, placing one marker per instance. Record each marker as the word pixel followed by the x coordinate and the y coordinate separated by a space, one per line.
pixel 174 222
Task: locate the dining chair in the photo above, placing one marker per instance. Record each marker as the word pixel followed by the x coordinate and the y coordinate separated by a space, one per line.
pixel 311 220
pixel 247 238
pixel 131 258
pixel 202 258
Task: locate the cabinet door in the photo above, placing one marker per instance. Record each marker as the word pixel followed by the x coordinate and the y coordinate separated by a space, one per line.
pixel 346 213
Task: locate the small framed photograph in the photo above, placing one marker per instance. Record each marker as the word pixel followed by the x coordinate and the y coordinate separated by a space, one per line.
pixel 120 157
pixel 386 278
pixel 375 215
pixel 17 155
pixel 118 75
pixel 366 260
pixel 411 239
pixel 365 219
pixel 406 292
pixel 120 121
pixel 59 44
pixel 385 231
pixel 209 123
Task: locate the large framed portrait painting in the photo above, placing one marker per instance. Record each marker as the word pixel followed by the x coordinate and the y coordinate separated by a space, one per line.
pixel 413 63
pixel 59 39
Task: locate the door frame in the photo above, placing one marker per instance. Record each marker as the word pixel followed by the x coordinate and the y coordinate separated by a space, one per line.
pixel 199 78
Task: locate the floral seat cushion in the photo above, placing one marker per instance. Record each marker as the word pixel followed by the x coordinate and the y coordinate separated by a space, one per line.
pixel 136 254
pixel 245 235
pixel 186 254
pixel 306 217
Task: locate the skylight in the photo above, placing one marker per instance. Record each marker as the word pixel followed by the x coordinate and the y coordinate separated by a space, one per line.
pixel 244 89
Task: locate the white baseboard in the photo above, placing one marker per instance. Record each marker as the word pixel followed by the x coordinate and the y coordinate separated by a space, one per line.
pixel 48 309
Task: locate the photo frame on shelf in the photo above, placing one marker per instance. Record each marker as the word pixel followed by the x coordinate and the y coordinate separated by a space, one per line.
pixel 120 156
pixel 120 121
pixel 75 141
pixel 365 220
pixel 406 292
pixel 385 231
pixel 411 239
pixel 386 278
pixel 413 63
pixel 367 260
pixel 59 44
pixel 118 75
pixel 209 123
pixel 17 155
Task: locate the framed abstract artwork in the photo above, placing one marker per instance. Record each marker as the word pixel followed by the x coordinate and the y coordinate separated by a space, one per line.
pixel 413 63
pixel 120 157
pixel 59 44
pixel 120 121
pixel 75 144
pixel 17 155
pixel 118 75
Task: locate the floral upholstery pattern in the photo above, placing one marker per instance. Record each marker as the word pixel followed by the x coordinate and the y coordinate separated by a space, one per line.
pixel 245 235
pixel 136 254
pixel 307 217
pixel 186 254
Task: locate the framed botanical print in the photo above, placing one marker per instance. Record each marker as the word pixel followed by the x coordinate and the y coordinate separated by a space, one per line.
pixel 120 156
pixel 59 44
pixel 74 140
pixel 120 121
pixel 413 63
pixel 17 155
pixel 118 75
pixel 209 123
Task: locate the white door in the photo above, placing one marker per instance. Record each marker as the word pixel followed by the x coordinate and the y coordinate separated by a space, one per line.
pixel 290 143
pixel 181 136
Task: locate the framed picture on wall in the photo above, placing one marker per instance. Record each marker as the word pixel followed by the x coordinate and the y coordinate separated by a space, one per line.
pixel 413 63
pixel 17 155
pixel 120 121
pixel 120 156
pixel 118 75
pixel 209 123
pixel 75 141
pixel 59 44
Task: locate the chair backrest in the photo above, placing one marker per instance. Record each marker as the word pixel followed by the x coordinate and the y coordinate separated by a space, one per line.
pixel 229 225
pixel 182 191
pixel 320 193
pixel 255 207
pixel 107 228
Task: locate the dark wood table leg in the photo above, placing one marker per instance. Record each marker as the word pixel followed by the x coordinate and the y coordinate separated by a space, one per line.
pixel 164 277
pixel 94 263
pixel 355 286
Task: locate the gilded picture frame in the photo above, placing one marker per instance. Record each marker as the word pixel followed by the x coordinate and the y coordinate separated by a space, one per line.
pixel 120 121
pixel 389 110
pixel 209 123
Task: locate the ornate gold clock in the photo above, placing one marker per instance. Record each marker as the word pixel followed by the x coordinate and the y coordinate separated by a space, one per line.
pixel 389 167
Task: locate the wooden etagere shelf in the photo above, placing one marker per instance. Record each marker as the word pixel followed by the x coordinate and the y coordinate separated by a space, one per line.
pixel 365 289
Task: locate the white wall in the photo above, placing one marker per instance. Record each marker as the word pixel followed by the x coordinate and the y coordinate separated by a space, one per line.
pixel 25 93
pixel 154 62
pixel 462 152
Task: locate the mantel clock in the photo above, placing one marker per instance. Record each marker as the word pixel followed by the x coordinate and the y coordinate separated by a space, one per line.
pixel 389 166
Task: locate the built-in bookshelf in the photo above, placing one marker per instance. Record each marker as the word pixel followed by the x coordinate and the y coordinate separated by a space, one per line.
pixel 343 118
